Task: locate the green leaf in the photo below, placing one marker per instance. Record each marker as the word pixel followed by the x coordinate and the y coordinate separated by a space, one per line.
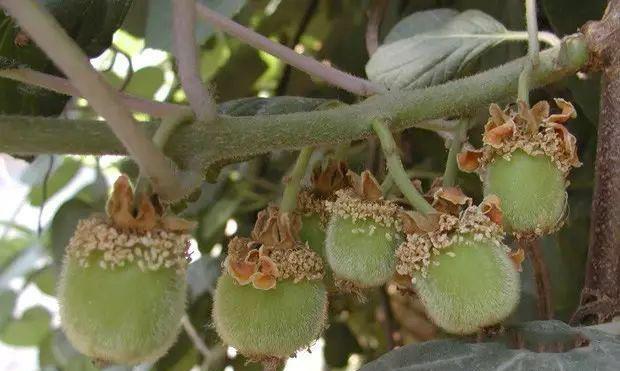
pixel 437 54
pixel 7 303
pixel 63 226
pixel 45 279
pixel 145 82
pixel 10 248
pixel 23 263
pixel 602 353
pixel 29 330
pixel 272 106
pixel 340 343
pixel 214 221
pixel 419 22
pixel 57 180
pixel 159 22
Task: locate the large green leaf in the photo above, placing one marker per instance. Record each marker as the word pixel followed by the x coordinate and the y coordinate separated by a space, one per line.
pixel 145 82
pixel 602 353
pixel 29 330
pixel 159 22
pixel 434 53
pixel 63 225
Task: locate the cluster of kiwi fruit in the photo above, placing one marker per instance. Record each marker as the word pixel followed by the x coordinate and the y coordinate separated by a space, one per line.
pixel 123 289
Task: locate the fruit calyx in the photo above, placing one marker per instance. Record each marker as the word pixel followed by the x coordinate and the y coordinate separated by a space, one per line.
pixel 428 234
pixel 272 253
pixel 535 131
pixel 145 238
pixel 326 180
pixel 364 201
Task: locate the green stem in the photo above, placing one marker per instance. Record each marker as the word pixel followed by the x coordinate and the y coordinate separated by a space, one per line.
pixel 293 184
pixel 233 138
pixel 533 51
pixel 62 50
pixel 396 169
pixel 449 175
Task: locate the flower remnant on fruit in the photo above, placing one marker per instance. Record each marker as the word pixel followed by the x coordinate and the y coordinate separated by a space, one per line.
pixel 364 201
pixel 276 229
pixel 250 261
pixel 428 235
pixel 533 130
pixel 326 180
pixel 144 236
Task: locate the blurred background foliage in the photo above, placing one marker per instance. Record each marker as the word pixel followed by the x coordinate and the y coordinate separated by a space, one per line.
pixel 138 61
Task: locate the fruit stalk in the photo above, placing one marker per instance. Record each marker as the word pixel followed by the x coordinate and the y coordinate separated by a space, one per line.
pixel 396 169
pixel 449 176
pixel 533 49
pixel 293 183
pixel 541 276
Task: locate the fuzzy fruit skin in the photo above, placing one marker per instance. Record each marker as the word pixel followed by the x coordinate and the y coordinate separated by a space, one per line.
pixel 532 191
pixel 313 232
pixel 478 287
pixel 366 259
pixel 269 323
pixel 124 315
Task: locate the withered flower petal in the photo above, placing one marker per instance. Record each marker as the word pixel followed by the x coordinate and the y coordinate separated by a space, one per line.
pixel 490 207
pixel 416 222
pixel 495 136
pixel 453 195
pixel 468 159
pixel 331 178
pixel 568 112
pixel 365 185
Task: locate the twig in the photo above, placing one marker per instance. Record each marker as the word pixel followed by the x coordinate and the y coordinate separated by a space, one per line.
pixel 184 24
pixel 533 49
pixel 375 17
pixel 600 297
pixel 60 48
pixel 451 171
pixel 64 86
pixel 310 66
pixel 388 322
pixel 396 169
pixel 293 182
pixel 541 277
pixel 303 24
pixel 44 195
pixel 193 335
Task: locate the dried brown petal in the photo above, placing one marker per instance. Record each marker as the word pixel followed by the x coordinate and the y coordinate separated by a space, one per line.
pixel 490 207
pixel 328 180
pixel 517 258
pixel 569 143
pixel 239 262
pixel 266 274
pixel 273 228
pixel 176 224
pixel 453 195
pixel 498 116
pixel 495 136
pixel 468 159
pixel 365 185
pixel 568 112
pixel 540 111
pixel 416 222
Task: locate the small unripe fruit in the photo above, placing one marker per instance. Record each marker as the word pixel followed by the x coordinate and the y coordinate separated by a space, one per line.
pixel 270 301
pixel 313 232
pixel 361 251
pixel 470 285
pixel 362 234
pixel 532 190
pixel 459 267
pixel 525 160
pixel 269 323
pixel 122 289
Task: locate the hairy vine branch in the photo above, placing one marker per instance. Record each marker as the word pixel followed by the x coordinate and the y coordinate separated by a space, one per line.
pixel 533 49
pixel 60 48
pixel 236 138
pixel 64 86
pixel 310 66
pixel 183 25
